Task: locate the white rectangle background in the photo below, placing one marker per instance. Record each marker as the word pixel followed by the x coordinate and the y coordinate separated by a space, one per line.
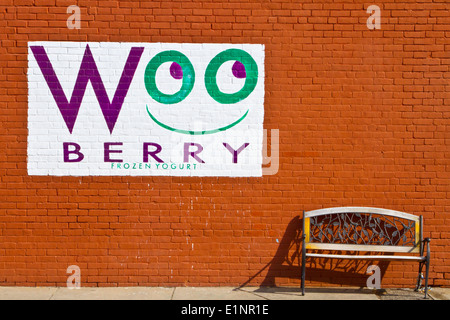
pixel 142 119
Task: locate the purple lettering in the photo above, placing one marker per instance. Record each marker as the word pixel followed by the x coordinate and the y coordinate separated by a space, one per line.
pixel 88 72
pixel 235 153
pixel 153 153
pixel 193 154
pixel 76 151
pixel 107 151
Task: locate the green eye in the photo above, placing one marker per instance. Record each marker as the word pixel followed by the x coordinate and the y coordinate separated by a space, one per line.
pixel 244 67
pixel 181 68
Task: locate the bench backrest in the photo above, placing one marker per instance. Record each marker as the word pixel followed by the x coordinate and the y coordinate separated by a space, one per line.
pixel 362 229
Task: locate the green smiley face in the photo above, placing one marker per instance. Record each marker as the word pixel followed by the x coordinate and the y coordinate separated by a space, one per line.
pixel 182 69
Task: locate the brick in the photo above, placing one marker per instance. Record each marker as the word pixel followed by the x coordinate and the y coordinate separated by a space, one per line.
pixel 362 116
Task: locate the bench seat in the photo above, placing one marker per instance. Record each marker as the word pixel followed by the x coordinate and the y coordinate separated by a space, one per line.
pixel 364 257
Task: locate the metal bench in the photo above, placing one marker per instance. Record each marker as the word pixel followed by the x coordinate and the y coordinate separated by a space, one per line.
pixel 365 229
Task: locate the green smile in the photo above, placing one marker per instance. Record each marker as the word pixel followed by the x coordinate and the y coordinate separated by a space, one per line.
pixel 196 132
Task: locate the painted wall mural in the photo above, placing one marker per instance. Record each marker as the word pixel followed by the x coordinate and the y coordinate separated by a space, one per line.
pixel 145 109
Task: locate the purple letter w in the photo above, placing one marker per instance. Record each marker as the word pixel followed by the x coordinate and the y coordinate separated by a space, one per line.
pixel 88 71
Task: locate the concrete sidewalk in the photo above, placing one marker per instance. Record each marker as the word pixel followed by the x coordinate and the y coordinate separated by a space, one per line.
pixel 214 293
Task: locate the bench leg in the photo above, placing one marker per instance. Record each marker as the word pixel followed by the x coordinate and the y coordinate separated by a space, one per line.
pixel 427 264
pixel 419 276
pixel 427 269
pixel 303 265
pixel 303 277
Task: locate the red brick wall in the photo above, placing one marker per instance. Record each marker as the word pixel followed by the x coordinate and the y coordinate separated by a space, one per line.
pixel 363 118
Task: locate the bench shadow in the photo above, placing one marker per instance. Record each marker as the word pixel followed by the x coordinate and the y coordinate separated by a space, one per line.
pixel 286 291
pixel 286 263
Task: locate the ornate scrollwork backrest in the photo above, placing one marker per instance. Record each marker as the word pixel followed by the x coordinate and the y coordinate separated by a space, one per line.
pixel 363 226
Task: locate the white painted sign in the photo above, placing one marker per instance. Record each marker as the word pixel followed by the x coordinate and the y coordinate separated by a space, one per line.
pixel 144 109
